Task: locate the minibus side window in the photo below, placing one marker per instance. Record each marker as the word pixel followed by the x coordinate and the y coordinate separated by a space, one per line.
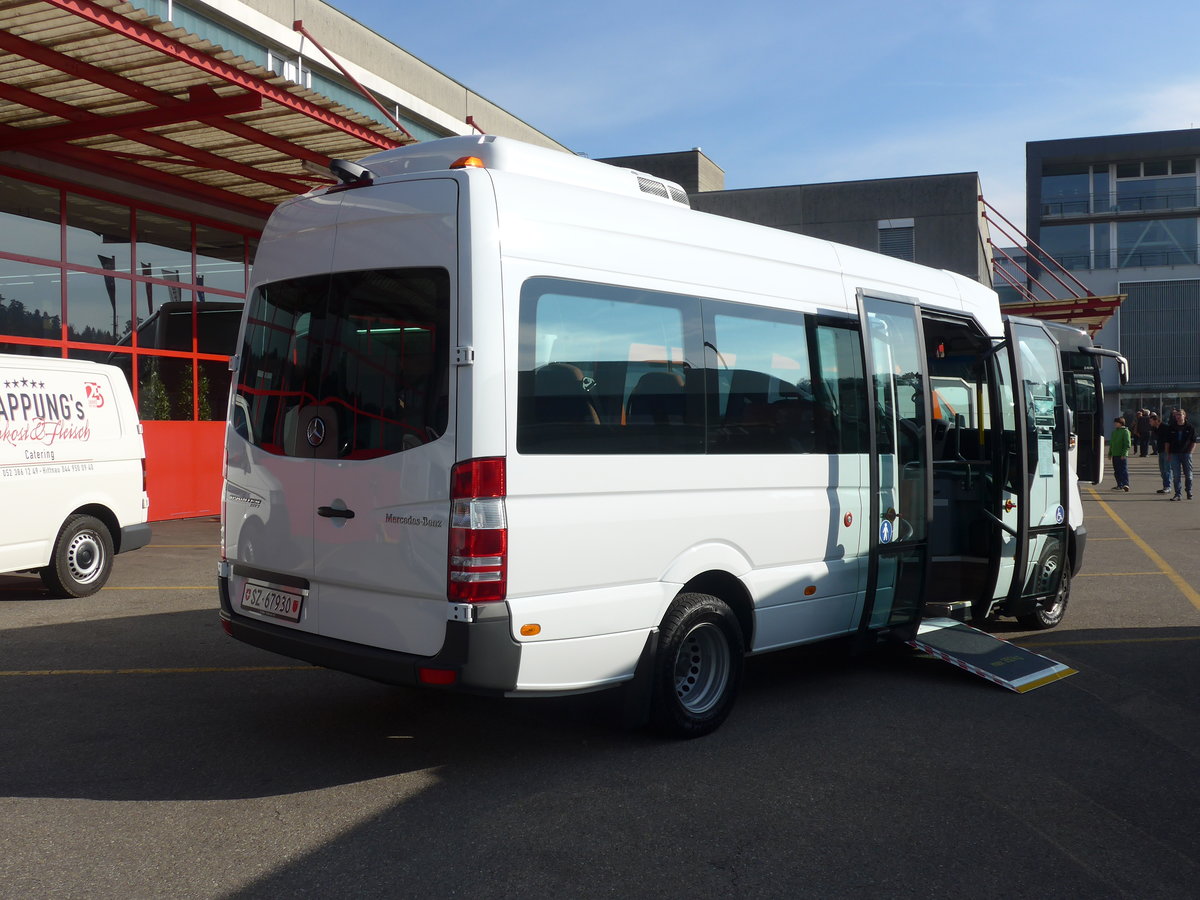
pixel 761 388
pixel 605 369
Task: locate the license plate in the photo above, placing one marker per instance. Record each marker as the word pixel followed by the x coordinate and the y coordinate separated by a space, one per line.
pixel 272 601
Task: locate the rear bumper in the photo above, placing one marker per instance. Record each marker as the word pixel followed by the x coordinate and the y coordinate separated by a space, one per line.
pixel 482 654
pixel 134 537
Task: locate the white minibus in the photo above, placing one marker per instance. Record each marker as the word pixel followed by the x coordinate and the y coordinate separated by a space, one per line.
pixel 511 421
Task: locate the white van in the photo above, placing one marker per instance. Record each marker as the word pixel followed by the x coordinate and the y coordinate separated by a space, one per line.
pixel 72 471
pixel 507 420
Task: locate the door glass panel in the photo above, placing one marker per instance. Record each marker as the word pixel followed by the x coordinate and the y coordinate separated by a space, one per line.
pixel 897 372
pixel 1045 435
pixel 1042 395
pixel 896 365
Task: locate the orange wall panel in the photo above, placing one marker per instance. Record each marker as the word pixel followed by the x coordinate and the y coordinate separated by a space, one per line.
pixel 183 468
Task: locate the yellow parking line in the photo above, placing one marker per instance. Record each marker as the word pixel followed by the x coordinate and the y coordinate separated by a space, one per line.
pixel 1037 645
pixel 1114 574
pixel 192 670
pixel 1176 579
pixel 170 587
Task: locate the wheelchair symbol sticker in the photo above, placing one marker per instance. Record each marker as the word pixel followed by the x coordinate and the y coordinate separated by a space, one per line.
pixel 1060 515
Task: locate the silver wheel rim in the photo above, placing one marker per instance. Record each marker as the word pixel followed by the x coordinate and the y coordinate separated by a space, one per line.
pixel 1048 569
pixel 85 557
pixel 702 668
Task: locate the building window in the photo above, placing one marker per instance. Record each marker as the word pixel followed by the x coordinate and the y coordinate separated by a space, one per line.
pixel 896 238
pixel 1069 244
pixel 1156 184
pixel 1065 190
pixel 70 286
pixel 1159 242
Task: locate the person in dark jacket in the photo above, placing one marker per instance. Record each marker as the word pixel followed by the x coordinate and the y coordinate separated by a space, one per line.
pixel 1141 432
pixel 1162 434
pixel 1179 446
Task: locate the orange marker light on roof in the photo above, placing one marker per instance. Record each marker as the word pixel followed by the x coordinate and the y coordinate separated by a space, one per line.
pixel 468 162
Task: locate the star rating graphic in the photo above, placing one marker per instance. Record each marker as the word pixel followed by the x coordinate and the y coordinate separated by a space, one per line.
pixel 25 383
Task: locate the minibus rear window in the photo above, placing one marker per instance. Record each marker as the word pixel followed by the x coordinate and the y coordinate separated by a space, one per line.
pixel 366 353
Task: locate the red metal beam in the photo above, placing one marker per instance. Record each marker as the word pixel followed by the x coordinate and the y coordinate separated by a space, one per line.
pixel 210 160
pixel 87 72
pixel 1044 263
pixel 107 164
pixel 96 125
pixel 106 18
pixel 299 26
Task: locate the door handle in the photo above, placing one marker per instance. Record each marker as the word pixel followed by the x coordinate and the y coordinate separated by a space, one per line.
pixel 330 512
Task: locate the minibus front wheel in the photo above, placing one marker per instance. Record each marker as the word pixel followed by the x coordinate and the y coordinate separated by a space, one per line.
pixel 697 668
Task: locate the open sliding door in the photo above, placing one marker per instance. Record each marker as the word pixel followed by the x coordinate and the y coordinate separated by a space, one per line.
pixel 1041 453
pixel 900 494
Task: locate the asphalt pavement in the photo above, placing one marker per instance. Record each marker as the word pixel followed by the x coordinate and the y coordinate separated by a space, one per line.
pixel 145 754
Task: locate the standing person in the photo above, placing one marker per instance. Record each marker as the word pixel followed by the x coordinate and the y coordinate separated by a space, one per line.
pixel 1180 443
pixel 1162 434
pixel 1141 431
pixel 1118 448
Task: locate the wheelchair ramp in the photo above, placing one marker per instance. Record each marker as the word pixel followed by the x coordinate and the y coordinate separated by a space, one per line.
pixel 1005 663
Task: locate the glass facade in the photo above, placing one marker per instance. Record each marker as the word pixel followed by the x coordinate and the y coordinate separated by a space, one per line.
pixel 1138 243
pixel 1119 188
pixel 153 292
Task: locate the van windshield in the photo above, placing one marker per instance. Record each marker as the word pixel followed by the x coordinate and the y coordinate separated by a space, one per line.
pixel 366 353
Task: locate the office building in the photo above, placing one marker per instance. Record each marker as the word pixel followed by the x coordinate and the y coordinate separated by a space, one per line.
pixel 1121 213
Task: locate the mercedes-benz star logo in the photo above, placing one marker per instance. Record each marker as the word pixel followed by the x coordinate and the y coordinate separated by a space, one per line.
pixel 316 431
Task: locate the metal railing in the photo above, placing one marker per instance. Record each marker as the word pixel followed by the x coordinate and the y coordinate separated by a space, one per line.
pixel 1101 206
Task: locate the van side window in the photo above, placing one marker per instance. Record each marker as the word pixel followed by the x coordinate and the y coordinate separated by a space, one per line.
pixel 760 388
pixel 367 352
pixel 605 369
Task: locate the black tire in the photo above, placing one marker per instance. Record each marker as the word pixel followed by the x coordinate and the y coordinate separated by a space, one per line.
pixel 1049 613
pixel 82 558
pixel 698 667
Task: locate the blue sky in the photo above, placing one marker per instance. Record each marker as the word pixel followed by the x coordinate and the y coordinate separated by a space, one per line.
pixel 801 92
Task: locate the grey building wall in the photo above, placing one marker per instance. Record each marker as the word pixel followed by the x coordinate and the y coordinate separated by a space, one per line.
pixel 690 169
pixel 948 229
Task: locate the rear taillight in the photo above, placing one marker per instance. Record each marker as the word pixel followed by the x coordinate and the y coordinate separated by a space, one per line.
pixel 478 570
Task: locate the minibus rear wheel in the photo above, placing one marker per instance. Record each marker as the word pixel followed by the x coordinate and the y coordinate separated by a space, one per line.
pixel 698 667
pixel 82 558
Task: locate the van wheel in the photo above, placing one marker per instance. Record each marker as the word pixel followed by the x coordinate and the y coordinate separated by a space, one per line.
pixel 1049 613
pixel 698 668
pixel 82 560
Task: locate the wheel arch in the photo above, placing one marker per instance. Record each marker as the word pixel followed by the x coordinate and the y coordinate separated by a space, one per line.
pixel 103 514
pixel 730 590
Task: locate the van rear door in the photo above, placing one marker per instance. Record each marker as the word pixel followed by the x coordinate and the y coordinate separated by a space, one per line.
pixel 344 400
